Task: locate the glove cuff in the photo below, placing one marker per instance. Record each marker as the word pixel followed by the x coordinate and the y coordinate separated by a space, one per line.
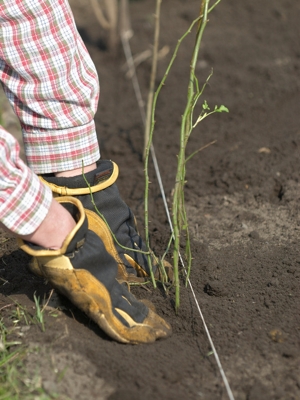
pixel 106 175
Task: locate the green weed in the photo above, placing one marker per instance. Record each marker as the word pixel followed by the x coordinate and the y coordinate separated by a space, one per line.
pixel 14 382
pixel 39 312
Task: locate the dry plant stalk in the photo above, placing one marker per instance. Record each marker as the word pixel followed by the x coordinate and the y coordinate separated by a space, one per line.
pixel 153 75
pixel 108 19
pixel 148 130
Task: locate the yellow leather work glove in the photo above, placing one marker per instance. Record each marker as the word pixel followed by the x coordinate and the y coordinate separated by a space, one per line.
pixel 85 272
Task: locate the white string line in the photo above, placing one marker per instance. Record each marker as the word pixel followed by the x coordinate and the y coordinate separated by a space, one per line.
pixel 129 60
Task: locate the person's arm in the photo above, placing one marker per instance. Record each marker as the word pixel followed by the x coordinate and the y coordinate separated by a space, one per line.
pixel 51 82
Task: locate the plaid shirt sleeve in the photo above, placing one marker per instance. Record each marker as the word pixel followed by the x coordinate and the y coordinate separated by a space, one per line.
pixel 24 200
pixel 51 82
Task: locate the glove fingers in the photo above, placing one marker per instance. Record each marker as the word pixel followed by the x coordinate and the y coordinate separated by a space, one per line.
pixel 158 323
pixel 139 311
pixel 164 276
pixel 88 294
pixel 139 270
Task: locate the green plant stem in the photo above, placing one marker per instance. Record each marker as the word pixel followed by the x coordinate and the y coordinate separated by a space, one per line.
pixel 198 150
pixel 147 150
pixel 178 206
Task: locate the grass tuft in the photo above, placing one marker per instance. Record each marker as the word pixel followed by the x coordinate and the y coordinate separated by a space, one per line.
pixel 15 384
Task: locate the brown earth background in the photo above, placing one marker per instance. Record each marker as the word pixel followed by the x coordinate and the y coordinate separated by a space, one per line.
pixel 242 197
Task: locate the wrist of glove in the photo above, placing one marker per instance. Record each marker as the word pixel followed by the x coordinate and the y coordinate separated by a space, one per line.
pixel 85 272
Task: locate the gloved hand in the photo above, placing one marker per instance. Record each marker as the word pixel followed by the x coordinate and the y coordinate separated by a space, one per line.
pixel 133 266
pixel 85 272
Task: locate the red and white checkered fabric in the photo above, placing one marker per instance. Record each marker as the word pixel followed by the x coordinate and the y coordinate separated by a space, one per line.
pixel 24 200
pixel 52 85
pixel 51 82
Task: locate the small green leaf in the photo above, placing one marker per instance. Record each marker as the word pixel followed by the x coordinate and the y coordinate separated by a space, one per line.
pixel 205 105
pixel 221 109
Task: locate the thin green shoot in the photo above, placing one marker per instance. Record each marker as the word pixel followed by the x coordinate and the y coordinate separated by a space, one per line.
pixel 39 313
pixel 150 138
pixel 61 374
pixel 21 313
pixel 180 222
pixel 206 112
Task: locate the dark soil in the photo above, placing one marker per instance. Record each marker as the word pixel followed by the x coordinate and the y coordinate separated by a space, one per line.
pixel 242 197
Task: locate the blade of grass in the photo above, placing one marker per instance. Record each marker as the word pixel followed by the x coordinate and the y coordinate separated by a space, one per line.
pixel 39 314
